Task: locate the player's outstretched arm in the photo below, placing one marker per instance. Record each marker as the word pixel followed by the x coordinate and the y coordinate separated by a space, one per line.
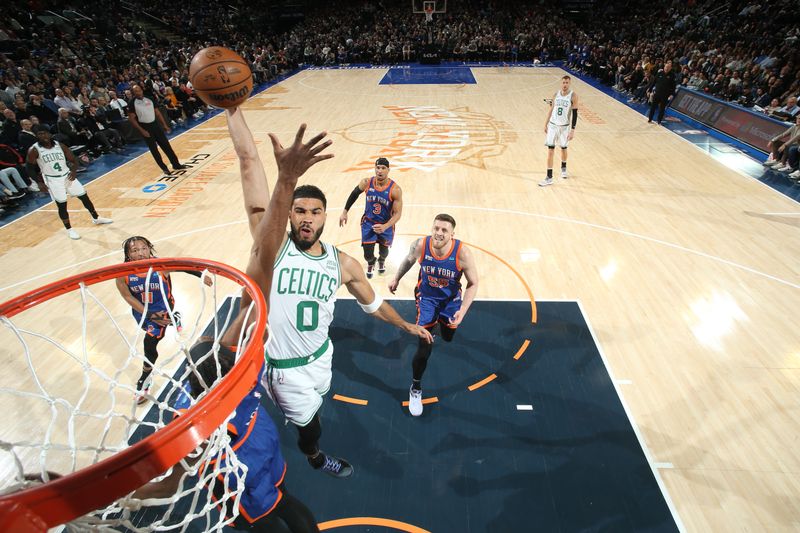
pixel 354 194
pixel 293 161
pixel 356 282
pixel 255 188
pixel 408 261
pixel 470 272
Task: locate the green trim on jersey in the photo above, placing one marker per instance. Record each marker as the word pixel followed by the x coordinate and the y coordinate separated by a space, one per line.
pixel 294 362
pixel 338 264
pixel 282 251
pixel 315 257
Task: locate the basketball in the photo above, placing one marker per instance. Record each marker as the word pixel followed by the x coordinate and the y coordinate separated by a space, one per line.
pixel 220 77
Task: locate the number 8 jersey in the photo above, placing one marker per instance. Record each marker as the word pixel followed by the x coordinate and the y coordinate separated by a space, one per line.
pixel 301 301
pixel 561 106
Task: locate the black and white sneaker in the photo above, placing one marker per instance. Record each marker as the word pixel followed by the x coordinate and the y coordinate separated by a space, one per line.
pixel 381 268
pixel 335 466
pixel 370 271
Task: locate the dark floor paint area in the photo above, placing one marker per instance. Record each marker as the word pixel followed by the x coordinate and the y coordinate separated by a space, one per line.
pixel 444 74
pixel 473 462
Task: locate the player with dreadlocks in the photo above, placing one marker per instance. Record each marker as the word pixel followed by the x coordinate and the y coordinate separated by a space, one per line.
pixel 151 300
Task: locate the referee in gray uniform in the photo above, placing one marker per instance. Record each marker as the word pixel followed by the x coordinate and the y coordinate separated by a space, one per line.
pixel 145 117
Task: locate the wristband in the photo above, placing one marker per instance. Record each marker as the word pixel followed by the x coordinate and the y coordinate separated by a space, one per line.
pixel 371 308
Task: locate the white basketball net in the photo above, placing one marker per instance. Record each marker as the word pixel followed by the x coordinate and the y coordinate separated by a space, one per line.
pixel 48 427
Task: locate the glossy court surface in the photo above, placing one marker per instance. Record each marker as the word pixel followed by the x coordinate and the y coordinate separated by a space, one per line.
pixel 662 370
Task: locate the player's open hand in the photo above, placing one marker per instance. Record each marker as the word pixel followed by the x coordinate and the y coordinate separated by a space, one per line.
pixel 299 157
pixel 379 228
pixel 393 285
pixel 421 332
pixel 458 316
pixel 343 219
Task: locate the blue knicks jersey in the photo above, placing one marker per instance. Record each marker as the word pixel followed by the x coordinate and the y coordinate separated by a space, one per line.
pixel 379 202
pixel 255 439
pixel 151 296
pixel 439 277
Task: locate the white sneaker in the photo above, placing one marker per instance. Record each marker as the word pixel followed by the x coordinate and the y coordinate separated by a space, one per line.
pixel 73 234
pixel 33 187
pixel 101 220
pixel 141 395
pixel 415 402
pixel 773 163
pixel 564 174
pixel 795 175
pixel 545 182
pixel 784 168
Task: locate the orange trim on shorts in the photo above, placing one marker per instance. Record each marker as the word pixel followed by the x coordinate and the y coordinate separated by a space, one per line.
pixel 446 323
pixel 274 505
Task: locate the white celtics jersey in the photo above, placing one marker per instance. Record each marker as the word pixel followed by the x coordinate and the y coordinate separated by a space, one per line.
pixel 52 161
pixel 301 301
pixel 561 107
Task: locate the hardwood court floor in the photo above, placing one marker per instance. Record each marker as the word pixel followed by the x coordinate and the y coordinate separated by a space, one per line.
pixel 688 271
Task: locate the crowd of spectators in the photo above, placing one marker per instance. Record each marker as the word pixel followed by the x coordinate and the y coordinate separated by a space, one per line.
pixel 738 51
pixel 75 76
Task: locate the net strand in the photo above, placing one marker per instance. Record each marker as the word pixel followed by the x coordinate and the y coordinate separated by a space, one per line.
pixel 213 464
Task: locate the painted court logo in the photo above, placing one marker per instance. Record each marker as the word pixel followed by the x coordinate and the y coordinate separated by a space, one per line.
pixel 428 137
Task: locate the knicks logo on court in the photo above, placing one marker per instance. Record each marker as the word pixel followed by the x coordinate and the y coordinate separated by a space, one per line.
pixel 429 137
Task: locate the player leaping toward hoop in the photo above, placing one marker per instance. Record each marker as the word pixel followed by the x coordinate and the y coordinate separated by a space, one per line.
pixel 307 273
pixel 265 505
pixel 558 128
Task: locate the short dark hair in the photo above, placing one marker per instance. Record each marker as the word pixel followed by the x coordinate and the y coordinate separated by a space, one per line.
pixel 310 191
pixel 566 77
pixel 444 217
pixel 202 355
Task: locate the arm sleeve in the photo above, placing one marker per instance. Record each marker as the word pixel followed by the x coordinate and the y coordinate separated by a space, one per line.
pixel 352 198
pixel 574 118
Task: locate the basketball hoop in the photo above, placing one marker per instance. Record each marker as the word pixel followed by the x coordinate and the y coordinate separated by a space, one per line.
pixel 428 12
pixel 99 494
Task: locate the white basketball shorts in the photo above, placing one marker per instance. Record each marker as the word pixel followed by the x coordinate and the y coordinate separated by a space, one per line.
pixel 298 391
pixel 60 187
pixel 557 135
